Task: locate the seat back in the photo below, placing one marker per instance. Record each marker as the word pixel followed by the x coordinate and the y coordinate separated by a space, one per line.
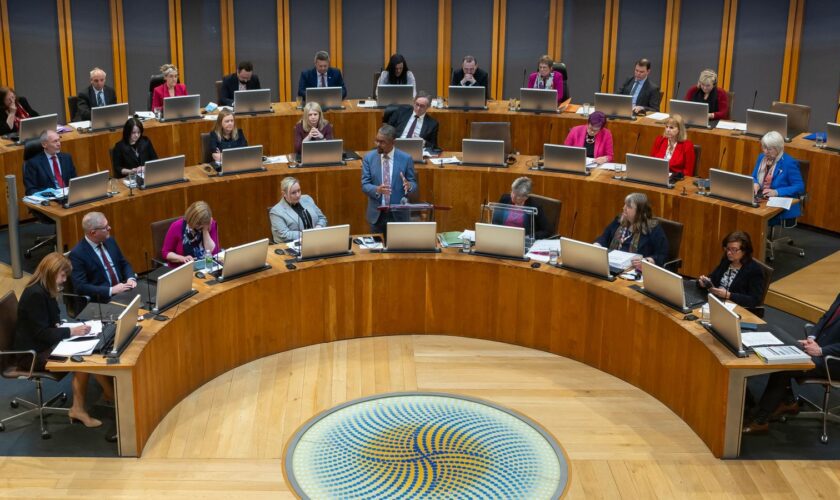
pixel 73 107
pixel 159 229
pixel 799 116
pixel 673 231
pixel 218 92
pixel 551 207
pixel 31 148
pixel 767 273
pixel 498 131
pixel 697 151
pixel 561 67
pixel 73 304
pixel 206 154
pixel 389 111
pixel 804 170
pixel 731 98
pixel 154 82
pixel 8 321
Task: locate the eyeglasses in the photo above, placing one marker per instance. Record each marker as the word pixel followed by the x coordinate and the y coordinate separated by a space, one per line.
pixel 733 250
pixel 102 228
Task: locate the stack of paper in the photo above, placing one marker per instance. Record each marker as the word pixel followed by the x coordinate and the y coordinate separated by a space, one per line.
pixel 781 354
pixel 443 161
pixel 728 125
pixel 756 339
pixel 622 260
pixel 658 116
pixel 540 250
pixel 450 239
pixel 72 347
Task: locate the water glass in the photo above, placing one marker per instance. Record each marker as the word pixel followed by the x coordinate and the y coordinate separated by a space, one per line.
pixel 465 244
pixel 132 180
pixel 208 261
pixel 157 113
pixel 553 256
pixel 586 109
pixel 702 187
pixel 818 141
pixel 112 186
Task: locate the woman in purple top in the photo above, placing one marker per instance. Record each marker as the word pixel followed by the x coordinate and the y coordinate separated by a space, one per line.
pixel 593 136
pixel 189 237
pixel 547 78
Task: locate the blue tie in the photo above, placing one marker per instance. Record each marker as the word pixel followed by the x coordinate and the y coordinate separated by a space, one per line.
pixel 100 101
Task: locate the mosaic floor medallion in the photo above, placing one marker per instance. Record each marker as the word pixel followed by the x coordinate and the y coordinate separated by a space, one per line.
pixel 420 445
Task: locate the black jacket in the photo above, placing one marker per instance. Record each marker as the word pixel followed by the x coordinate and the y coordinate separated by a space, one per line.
pixel 748 285
pixel 87 100
pixel 230 84
pixel 400 118
pixel 37 316
pixel 649 96
pixel 123 155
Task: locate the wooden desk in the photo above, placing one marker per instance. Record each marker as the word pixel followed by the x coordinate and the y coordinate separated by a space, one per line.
pixel 240 203
pixel 226 325
pixel 809 292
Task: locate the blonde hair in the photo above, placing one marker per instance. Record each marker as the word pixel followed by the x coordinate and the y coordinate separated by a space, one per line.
pixel 166 69
pixel 47 272
pixel 198 214
pixel 217 127
pixel 287 183
pixel 678 121
pixel 304 120
pixel 708 77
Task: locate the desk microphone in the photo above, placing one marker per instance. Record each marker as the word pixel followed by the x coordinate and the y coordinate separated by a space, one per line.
pixel 636 145
pixel 524 77
pixel 754 96
pixel 602 82
pixel 722 153
pixel 677 93
pixel 574 220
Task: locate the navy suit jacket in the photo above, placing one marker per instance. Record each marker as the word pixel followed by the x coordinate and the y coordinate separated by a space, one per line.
pixel 649 97
pixel 428 132
pixel 828 336
pixel 309 78
pixel 231 84
pixel 37 172
pixel 372 178
pixel 87 100
pixel 89 275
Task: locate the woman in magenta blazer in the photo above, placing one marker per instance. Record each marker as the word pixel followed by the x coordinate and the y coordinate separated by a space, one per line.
pixel 675 147
pixel 546 78
pixel 593 136
pixel 190 236
pixel 170 88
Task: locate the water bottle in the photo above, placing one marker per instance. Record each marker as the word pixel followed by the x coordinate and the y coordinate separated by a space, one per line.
pixel 465 244
pixel 208 261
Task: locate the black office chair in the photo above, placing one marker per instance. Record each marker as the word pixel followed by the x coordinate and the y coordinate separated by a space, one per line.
pixel 376 76
pixel 551 207
pixel 823 411
pixel 206 154
pixel 159 229
pixel 673 231
pixel 154 82
pixel 390 110
pixel 697 151
pixel 777 240
pixel 219 92
pixel 767 274
pixel 73 106
pixel 561 67
pixel 32 148
pixel 497 131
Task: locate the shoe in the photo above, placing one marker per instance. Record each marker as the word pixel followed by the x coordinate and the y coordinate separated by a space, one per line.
pixel 786 408
pixel 87 420
pixel 756 428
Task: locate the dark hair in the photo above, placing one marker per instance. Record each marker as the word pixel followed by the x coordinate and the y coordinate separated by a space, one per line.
pixel 322 55
pixel 393 79
pixel 129 127
pixel 643 62
pixel 598 119
pixel 744 240
pixel 424 95
pixel 469 59
pixel 245 65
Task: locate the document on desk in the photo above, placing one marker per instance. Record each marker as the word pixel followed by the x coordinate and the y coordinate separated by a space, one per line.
pixel 95 327
pixel 728 125
pixel 367 104
pixel 616 167
pixel 77 125
pixel 276 159
pixel 780 202
pixel 539 251
pixel 469 233
pixel 72 347
pixel 753 339
pixel 622 260
pixel 658 116
pixel 443 161
pixel 146 115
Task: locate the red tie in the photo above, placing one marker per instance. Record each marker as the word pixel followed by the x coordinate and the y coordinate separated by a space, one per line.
pixel 834 317
pixel 57 172
pixel 111 274
pixel 410 133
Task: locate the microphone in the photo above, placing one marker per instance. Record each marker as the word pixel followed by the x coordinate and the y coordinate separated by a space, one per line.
pixel 636 145
pixel 722 153
pixel 677 93
pixel 524 77
pixel 601 87
pixel 574 221
pixel 754 96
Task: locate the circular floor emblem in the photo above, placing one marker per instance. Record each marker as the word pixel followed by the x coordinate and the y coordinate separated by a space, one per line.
pixel 413 445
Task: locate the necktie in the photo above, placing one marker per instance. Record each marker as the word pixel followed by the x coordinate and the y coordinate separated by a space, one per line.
pixel 411 129
pixel 57 172
pixel 323 80
pixel 100 101
pixel 386 174
pixel 834 317
pixel 633 91
pixel 111 274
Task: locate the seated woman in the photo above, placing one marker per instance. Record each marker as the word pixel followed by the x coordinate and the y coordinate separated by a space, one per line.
pixel 547 78
pixel 675 147
pixel 520 195
pixel 38 329
pixel 133 151
pixel 225 135
pixel 294 213
pixel 189 237
pixel 13 109
pixel 777 174
pixel 397 73
pixel 593 136
pixel 738 277
pixel 312 126
pixel 169 88
pixel 636 231
pixel 707 91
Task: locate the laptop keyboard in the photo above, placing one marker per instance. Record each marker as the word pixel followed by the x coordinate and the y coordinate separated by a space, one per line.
pixel 694 295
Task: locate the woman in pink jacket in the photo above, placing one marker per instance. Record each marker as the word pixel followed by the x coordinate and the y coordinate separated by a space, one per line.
pixel 594 137
pixel 547 78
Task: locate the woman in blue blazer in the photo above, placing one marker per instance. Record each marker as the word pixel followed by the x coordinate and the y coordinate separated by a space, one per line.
pixel 777 174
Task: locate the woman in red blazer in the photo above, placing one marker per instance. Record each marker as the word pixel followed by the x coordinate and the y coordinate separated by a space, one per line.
pixel 674 147
pixel 707 91
pixel 170 88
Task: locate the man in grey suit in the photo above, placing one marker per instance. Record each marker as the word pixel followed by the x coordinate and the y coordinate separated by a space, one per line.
pixel 387 179
pixel 294 213
pixel 96 94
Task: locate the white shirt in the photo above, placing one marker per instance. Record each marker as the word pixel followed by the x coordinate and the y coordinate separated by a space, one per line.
pixel 52 171
pixel 417 127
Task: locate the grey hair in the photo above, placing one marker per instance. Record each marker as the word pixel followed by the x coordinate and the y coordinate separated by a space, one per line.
pixel 98 70
pixel 388 131
pixel 773 140
pixel 287 183
pixel 45 135
pixel 91 220
pixel 522 186
pixel 168 68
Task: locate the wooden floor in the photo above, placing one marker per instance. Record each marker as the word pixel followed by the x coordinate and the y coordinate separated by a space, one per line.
pixel 228 436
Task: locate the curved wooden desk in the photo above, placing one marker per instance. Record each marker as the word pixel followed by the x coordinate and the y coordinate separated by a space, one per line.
pixel 606 325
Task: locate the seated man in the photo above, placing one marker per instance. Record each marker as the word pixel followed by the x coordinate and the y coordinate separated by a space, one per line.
pixel 645 94
pixel 471 75
pixel 53 169
pixel 322 75
pixel 99 267
pixel 95 95
pixel 243 79
pixel 415 122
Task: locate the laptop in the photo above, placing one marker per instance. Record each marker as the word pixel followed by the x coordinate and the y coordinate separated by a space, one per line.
pixel 413 146
pixel 87 188
pixel 694 114
pixel 242 160
pixel 467 97
pixel 322 153
pixel 394 95
pixel 327 97
pixel 494 240
pixel 647 170
pixel 411 237
pixel 181 107
pixel 116 337
pixel 111 117
pixel 324 242
pixel 566 159
pixel 244 259
pixel 585 258
pixel 832 138
pixel 163 171
pixel 614 105
pixel 669 288
pixel 538 100
pixel 761 122
pixel 483 153
pixel 174 287
pixel 31 128
pixel 252 101
pixel 730 186
pixel 725 325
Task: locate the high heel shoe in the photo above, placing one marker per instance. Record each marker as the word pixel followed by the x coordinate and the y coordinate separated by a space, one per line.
pixel 87 421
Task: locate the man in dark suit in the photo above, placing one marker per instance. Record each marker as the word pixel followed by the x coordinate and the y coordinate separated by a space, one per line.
pixel 322 75
pixel 99 267
pixel 387 179
pixel 415 122
pixel 823 340
pixel 53 169
pixel 96 94
pixel 243 79
pixel 471 75
pixel 645 94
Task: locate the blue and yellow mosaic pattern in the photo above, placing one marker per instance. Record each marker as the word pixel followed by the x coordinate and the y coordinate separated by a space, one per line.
pixel 416 445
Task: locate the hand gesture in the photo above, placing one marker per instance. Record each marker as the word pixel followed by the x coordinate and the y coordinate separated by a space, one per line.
pixel 406 184
pixel 78 331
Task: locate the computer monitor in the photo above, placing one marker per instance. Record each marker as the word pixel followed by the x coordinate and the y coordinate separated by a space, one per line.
pixel 411 145
pixel 832 139
pixel 324 242
pixel 244 259
pixel 327 153
pixel 327 97
pixel 242 160
pixel 664 286
pixel 694 114
pixel 585 258
pixel 163 171
pixel 174 287
pixel 87 188
pixel 730 186
pixel 761 122
pixel 111 117
pixel 466 97
pixel 252 101
pixel 483 153
pixel 614 105
pixel 127 326
pixel 494 240
pixel 411 237
pixel 181 107
pixel 538 100
pixel 647 170
pixel 394 95
pixel 565 159
pixel 31 128
pixel 725 325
